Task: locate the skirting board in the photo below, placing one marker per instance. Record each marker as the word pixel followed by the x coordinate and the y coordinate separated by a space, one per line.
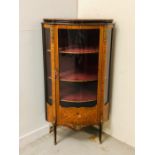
pixel 33 135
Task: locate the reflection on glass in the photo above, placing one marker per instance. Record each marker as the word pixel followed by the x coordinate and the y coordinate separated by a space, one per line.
pixel 78 68
pixel 78 62
pixel 48 64
pixel 107 69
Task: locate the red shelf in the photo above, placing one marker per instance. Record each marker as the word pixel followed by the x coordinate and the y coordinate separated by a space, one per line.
pixel 78 50
pixel 80 96
pixel 73 76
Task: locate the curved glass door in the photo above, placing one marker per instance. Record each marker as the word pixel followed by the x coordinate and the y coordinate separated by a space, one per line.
pixel 78 66
pixel 47 65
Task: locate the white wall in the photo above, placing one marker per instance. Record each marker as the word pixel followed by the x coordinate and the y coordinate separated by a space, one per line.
pixel 121 124
pixel 32 113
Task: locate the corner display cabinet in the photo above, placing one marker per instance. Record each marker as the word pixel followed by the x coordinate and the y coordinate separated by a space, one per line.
pixel 76 67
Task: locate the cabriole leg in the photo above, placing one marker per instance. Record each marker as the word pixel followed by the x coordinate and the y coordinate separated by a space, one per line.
pixel 55 134
pixel 100 133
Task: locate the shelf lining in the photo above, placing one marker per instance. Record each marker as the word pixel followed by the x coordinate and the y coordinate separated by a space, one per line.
pixel 71 76
pixel 79 51
pixel 81 96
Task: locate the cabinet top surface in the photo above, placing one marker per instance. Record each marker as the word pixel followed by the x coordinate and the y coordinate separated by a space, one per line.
pixel 77 21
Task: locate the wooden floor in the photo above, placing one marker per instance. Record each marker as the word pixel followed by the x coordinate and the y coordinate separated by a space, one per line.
pixel 71 142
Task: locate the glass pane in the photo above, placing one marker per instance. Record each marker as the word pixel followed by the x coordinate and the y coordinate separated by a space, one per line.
pixel 47 38
pixel 48 66
pixel 106 80
pixel 78 62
